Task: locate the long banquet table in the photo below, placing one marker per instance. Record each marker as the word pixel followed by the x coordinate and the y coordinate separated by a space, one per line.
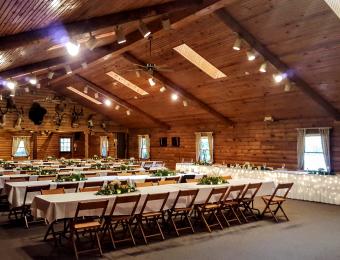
pixel 318 188
pixel 55 207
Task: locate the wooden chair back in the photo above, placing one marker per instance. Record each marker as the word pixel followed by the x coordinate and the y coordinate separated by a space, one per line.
pixel 89 189
pixel 215 196
pixel 187 177
pixel 285 187
pixel 143 184
pixel 124 173
pixel 68 186
pixel 174 178
pixel 234 193
pixel 188 195
pixel 251 190
pixel 46 177
pixel 93 184
pixel 192 180
pixel 114 173
pixel 18 179
pixel 90 175
pixel 154 180
pixel 92 205
pixel 32 189
pixel 123 200
pixel 167 182
pixel 53 191
pixel 162 197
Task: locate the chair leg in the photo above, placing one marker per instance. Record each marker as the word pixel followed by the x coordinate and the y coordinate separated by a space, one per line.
pixel 159 228
pixel 174 225
pixel 218 221
pixel 131 234
pixel 140 225
pixel 204 221
pixel 98 243
pixel 74 245
pixel 189 221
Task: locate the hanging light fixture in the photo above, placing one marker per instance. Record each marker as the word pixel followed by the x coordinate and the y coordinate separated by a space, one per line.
pixel 251 55
pixel 27 89
pixel 237 44
pixel 152 82
pixel 143 29
pixel 84 65
pixel 91 42
pixel 263 67
pixel 38 85
pixel 174 96
pixel 166 23
pixel 72 47
pixel 120 35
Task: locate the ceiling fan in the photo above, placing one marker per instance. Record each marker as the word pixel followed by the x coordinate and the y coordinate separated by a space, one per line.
pixel 150 67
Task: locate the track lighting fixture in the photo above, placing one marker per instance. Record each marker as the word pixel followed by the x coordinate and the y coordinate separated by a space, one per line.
pixel 86 89
pixel 68 69
pixel 38 85
pixel 120 35
pixel 128 112
pixel 162 89
pixel 251 55
pixel 287 87
pixel 117 107
pixel 185 103
pixel 27 89
pixel 144 30
pixel 33 80
pixel 263 67
pixel 108 102
pixel 72 47
pixel 96 95
pixel 152 82
pixel 174 96
pixel 278 77
pixel 91 42
pixel 137 74
pixel 50 74
pixel 237 44
pixel 84 65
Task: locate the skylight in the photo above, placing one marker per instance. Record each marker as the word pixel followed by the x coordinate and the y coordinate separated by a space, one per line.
pixel 84 95
pixel 199 61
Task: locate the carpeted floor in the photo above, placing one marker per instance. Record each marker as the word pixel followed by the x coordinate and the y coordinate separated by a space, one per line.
pixel 312 233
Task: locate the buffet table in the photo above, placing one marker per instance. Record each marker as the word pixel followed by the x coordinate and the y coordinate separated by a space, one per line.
pixel 311 187
pixel 54 207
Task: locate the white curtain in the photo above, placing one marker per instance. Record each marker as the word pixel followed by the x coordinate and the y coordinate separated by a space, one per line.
pixel 211 146
pixel 147 145
pixel 104 145
pixel 324 132
pixel 16 141
pixel 198 146
pixel 147 142
pixel 300 148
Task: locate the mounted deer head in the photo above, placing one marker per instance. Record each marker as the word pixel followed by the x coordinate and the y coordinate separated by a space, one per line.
pixel 18 121
pixel 90 123
pixel 59 114
pixel 76 116
pixel 2 118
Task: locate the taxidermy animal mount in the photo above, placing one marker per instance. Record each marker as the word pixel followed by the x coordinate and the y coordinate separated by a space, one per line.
pixel 59 114
pixel 37 113
pixel 76 117
pixel 10 107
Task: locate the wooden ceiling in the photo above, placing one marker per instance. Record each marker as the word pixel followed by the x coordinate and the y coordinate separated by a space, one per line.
pixel 302 34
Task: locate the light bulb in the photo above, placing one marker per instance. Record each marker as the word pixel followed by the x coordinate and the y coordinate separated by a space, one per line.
pixel 72 48
pixel 174 97
pixel 107 102
pixel 152 82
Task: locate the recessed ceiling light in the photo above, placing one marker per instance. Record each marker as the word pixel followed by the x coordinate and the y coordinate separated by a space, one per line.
pixel 127 83
pixel 84 95
pixel 199 61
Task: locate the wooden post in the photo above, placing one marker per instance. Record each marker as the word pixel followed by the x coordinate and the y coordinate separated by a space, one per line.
pixel 86 134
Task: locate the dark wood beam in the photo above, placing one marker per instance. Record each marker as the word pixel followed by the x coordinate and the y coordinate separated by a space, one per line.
pixel 234 25
pixel 181 91
pixel 55 31
pixel 133 108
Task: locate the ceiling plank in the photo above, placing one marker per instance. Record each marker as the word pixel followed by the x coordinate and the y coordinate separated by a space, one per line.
pixel 234 25
pixel 120 101
pixel 181 91
pixel 92 24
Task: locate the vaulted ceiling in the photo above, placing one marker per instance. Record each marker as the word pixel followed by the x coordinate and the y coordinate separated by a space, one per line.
pixel 303 35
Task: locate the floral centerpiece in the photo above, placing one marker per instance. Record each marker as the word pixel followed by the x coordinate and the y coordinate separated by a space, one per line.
pixel 163 172
pixel 115 187
pixel 2 161
pixel 95 157
pixel 29 168
pixel 99 166
pixel 71 178
pixel 125 167
pixel 47 172
pixel 51 158
pixel 212 180
pixel 319 171
pixel 8 166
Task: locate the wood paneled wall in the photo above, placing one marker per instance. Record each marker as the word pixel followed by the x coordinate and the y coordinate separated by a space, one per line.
pixel 94 144
pixel 257 142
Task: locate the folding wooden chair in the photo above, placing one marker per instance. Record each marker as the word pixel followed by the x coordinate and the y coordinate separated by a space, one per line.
pixel 89 189
pixel 83 225
pixel 143 184
pixel 46 177
pixel 112 173
pixel 231 204
pixel 247 200
pixel 276 200
pixel 192 180
pixel 211 206
pixel 98 184
pixel 174 178
pixel 152 217
pixel 26 207
pixel 124 174
pixel 53 191
pixel 186 177
pixel 183 211
pixel 128 203
pixel 165 182
pixel 154 180
pixel 91 175
pixel 18 179
pixel 68 186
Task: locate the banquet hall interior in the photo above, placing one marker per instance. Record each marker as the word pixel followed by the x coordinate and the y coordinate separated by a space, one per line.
pixel 170 129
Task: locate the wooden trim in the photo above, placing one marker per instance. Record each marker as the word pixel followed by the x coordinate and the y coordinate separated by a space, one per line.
pixel 120 101
pixel 181 91
pixel 234 25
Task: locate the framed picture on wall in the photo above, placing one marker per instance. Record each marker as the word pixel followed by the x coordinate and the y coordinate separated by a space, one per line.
pixel 175 141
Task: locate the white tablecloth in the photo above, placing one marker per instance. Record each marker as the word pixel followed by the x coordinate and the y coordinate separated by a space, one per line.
pixel 319 188
pixel 53 207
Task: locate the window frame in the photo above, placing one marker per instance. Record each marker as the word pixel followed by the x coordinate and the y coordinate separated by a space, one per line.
pixel 201 150
pixel 304 152
pixel 26 155
pixel 143 146
pixel 60 144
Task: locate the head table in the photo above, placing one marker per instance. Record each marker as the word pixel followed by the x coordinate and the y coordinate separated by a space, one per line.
pixel 54 207
pixel 311 187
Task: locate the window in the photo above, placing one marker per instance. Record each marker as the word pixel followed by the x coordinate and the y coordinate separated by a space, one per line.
pixel 21 151
pixel 204 150
pixel 313 153
pixel 65 144
pixel 104 146
pixel 144 146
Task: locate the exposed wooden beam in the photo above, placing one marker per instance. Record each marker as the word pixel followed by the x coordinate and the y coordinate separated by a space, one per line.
pixel 234 25
pixel 180 90
pixel 120 101
pixel 54 31
pixel 134 38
